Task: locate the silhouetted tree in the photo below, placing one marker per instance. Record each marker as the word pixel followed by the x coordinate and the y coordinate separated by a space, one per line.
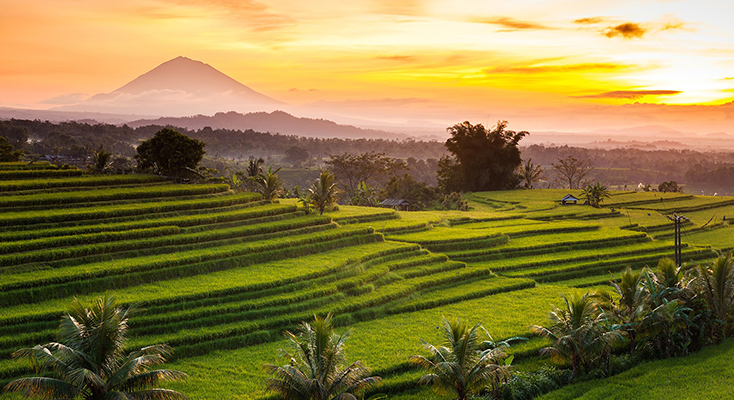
pixel 8 152
pixel 572 170
pixel 171 153
pixel 487 158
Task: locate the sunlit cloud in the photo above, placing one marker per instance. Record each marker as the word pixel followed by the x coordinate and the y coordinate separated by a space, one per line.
pixel 396 58
pixel 541 69
pixel 630 94
pixel 628 30
pixel 589 20
pixel 71 98
pixel 510 24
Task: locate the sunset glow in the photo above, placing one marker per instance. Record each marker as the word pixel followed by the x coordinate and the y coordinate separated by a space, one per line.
pixel 535 62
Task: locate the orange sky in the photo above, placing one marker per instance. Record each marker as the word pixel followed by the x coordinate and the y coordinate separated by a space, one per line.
pixel 539 64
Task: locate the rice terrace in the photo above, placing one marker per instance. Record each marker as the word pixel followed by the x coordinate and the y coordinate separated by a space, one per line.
pixel 221 274
pixel 366 200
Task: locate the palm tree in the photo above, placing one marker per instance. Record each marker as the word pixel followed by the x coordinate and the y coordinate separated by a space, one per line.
pixel 596 193
pixel 323 192
pixel 101 159
pixel 315 368
pixel 579 332
pixel 464 365
pixel 632 303
pixel 529 173
pixel 716 285
pixel 89 361
pixel 254 167
pixel 269 184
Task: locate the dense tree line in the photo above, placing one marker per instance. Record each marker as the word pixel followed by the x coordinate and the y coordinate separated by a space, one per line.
pixel 612 166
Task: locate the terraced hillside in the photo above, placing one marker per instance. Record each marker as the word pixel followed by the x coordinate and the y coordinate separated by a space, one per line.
pixel 222 274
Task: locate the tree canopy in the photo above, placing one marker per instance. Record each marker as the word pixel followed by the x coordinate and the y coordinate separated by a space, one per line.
pixel 171 153
pixel 487 158
pixel 8 152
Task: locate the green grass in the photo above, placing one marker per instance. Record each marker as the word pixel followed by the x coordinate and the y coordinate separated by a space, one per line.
pixel 704 375
pixel 241 271
pixel 107 212
pixel 77 182
pixel 381 344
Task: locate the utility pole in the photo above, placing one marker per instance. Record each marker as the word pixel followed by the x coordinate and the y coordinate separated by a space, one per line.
pixel 677 220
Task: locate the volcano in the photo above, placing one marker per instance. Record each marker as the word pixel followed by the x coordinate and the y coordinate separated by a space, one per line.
pixel 179 87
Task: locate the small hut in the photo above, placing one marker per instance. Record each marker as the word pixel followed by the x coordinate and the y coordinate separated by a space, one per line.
pixel 569 199
pixel 398 204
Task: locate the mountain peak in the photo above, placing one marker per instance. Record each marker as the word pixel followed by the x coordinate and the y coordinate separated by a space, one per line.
pixel 180 86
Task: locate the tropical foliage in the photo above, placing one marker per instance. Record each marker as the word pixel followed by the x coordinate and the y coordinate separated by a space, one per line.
pixel 316 366
pixel 465 364
pixel 715 283
pixel 269 184
pixel 595 193
pixel 323 192
pixel 580 332
pixel 89 361
pixel 529 174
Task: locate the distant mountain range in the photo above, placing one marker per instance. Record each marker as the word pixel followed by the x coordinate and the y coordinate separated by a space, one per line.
pixel 178 87
pixel 274 122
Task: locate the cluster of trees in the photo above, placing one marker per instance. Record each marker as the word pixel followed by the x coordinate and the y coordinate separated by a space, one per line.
pixel 666 312
pixel 474 157
pixel 661 313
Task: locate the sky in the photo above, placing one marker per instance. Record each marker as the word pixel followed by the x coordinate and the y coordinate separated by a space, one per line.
pixel 542 65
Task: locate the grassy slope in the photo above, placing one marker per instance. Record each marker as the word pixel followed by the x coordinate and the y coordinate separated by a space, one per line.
pixel 385 343
pixel 707 374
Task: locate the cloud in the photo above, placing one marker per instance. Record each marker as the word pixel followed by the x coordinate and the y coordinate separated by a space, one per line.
pixel 628 30
pixel 672 25
pixel 382 103
pixel 541 69
pixel 71 98
pixel 629 94
pixel 302 90
pixel 401 7
pixel 589 20
pixel 396 58
pixel 512 24
pixel 258 16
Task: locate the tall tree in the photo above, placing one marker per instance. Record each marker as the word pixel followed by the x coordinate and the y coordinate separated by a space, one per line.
pixel 571 170
pixel 372 168
pixel 465 364
pixel 488 158
pixel 171 153
pixel 89 361
pixel 8 152
pixel 316 366
pixel 449 176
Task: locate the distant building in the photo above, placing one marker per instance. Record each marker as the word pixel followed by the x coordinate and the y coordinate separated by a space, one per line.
pixel 569 199
pixel 398 204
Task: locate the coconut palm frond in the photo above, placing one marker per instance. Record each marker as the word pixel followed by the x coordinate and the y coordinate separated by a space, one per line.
pixel 89 357
pixel 42 387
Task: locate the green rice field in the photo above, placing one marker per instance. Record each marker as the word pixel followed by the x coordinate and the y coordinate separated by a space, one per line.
pixel 222 274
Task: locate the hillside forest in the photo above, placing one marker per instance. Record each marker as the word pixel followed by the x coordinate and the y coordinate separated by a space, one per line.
pixel 300 158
